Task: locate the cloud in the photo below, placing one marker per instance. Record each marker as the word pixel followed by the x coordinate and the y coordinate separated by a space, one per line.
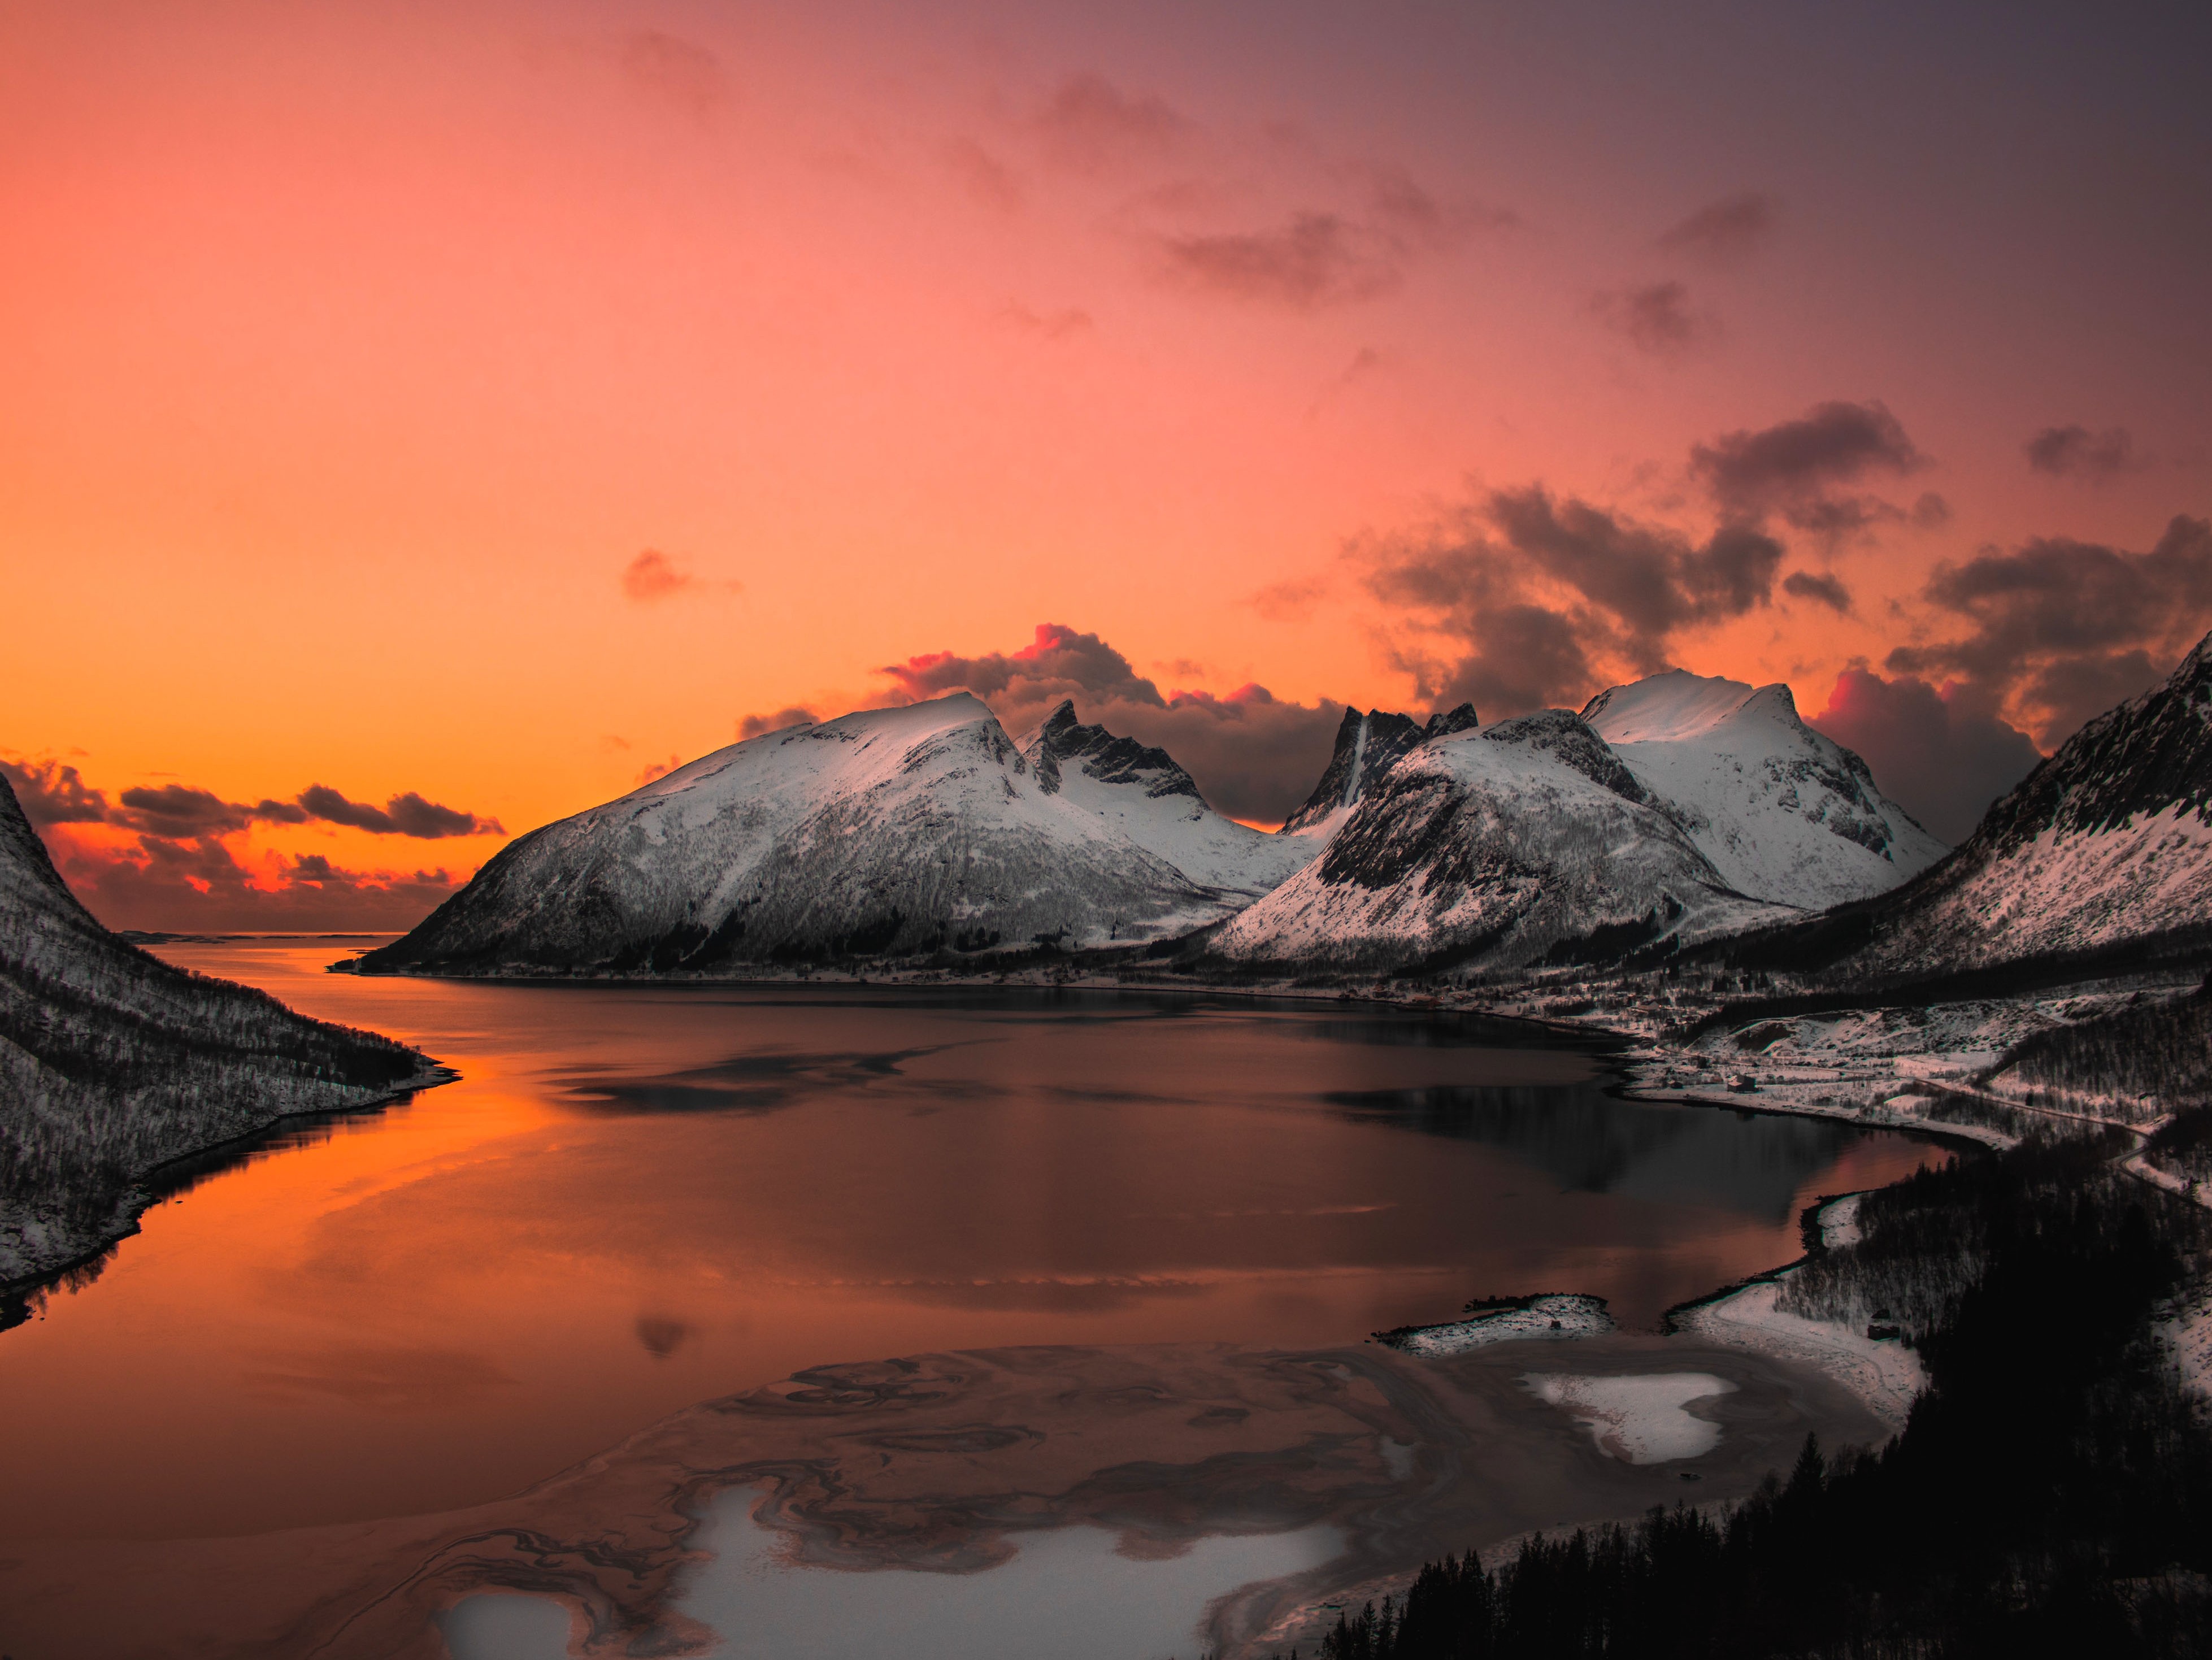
pixel 2077 453
pixel 653 769
pixel 408 814
pixel 1322 257
pixel 1942 755
pixel 1089 124
pixel 989 181
pixel 752 725
pixel 1791 466
pixel 1291 600
pixel 2057 630
pixel 1826 590
pixel 1529 594
pixel 1062 324
pixel 1726 231
pixel 654 575
pixel 1255 755
pixel 52 793
pixel 1931 511
pixel 1657 319
pixel 178 812
pixel 199 886
pixel 1315 259
pixel 675 70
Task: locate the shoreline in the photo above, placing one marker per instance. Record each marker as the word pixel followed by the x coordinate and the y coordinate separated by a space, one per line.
pixel 20 1295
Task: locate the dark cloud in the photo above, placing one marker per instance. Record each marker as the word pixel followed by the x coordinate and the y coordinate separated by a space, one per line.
pixel 752 725
pixel 2058 631
pixel 1329 256
pixel 653 769
pixel 1657 319
pixel 2077 453
pixel 1532 593
pixel 1089 124
pixel 1254 755
pixel 1942 755
pixel 1824 590
pixel 402 815
pixel 1930 512
pixel 198 886
pixel 1793 466
pixel 654 575
pixel 1725 231
pixel 178 812
pixel 675 70
pixel 1315 259
pixel 52 793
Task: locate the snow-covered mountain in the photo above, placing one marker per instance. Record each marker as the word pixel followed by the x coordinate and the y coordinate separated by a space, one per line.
pixel 1498 846
pixel 1367 746
pixel 894 832
pixel 1782 811
pixel 1142 793
pixel 2107 845
pixel 113 1063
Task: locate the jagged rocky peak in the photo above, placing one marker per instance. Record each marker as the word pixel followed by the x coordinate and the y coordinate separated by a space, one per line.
pixel 1061 740
pixel 1783 811
pixel 1367 746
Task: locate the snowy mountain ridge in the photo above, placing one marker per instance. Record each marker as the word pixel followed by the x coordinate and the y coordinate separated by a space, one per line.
pixel 897 831
pixel 1500 847
pixel 2107 844
pixel 1782 812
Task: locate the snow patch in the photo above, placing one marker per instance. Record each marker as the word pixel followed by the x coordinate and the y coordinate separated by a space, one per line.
pixel 1640 1420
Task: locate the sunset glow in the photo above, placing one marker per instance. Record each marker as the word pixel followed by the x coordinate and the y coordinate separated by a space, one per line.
pixel 468 410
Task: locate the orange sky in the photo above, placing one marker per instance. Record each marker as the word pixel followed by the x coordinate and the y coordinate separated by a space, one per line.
pixel 354 353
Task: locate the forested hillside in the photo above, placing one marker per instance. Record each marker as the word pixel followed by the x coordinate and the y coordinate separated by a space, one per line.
pixel 113 1062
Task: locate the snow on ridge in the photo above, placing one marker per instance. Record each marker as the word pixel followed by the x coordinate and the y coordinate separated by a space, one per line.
pixel 1784 812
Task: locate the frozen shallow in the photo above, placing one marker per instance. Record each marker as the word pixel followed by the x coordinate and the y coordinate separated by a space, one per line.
pixel 1068 1593
pixel 1639 1419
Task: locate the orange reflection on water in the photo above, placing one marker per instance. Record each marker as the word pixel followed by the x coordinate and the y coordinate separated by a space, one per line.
pixel 638 1198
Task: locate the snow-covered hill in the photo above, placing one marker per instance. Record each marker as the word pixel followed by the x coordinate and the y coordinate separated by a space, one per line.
pixel 894 832
pixel 1782 812
pixel 2107 844
pixel 113 1063
pixel 1500 847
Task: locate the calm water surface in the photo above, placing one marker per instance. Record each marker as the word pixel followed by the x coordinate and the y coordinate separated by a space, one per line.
pixel 640 1197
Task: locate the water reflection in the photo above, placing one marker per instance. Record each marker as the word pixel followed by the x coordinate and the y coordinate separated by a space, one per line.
pixel 641 1197
pixel 1591 1142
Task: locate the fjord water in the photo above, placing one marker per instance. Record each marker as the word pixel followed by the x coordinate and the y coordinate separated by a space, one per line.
pixel 639 1197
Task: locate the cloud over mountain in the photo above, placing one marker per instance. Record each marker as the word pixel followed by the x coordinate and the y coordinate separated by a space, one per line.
pixel 2057 630
pixel 1942 754
pixel 1253 755
pixel 1519 599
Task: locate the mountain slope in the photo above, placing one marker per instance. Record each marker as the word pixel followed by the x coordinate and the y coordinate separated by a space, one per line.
pixel 2106 846
pixel 1367 746
pixel 1499 848
pixel 1142 793
pixel 893 831
pixel 113 1063
pixel 1782 812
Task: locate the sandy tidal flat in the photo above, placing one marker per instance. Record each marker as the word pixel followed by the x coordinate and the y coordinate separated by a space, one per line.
pixel 949 1463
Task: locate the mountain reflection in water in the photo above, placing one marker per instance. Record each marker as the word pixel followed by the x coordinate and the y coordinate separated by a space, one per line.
pixel 1590 1142
pixel 639 1197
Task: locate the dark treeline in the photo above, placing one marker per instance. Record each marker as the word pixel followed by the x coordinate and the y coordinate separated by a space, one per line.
pixel 2052 1493
pixel 2153 1050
